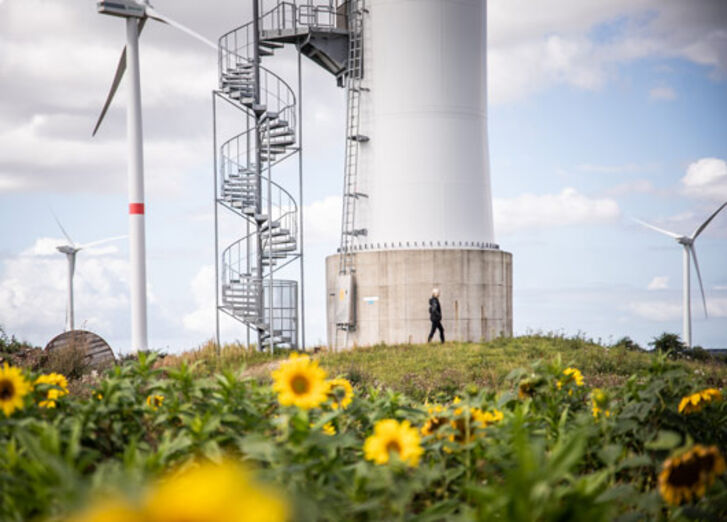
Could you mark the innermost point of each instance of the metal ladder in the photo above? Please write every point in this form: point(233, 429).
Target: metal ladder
point(354, 87)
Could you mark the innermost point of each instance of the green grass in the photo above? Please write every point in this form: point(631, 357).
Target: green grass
point(421, 371)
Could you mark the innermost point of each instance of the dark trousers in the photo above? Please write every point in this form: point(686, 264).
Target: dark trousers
point(436, 325)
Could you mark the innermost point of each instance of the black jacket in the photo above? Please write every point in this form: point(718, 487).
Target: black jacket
point(435, 310)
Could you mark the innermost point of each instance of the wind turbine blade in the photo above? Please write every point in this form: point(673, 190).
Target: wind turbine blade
point(120, 69)
point(699, 276)
point(704, 225)
point(102, 241)
point(156, 15)
point(58, 221)
point(647, 225)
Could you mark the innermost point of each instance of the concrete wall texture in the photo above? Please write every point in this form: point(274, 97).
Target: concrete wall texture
point(393, 289)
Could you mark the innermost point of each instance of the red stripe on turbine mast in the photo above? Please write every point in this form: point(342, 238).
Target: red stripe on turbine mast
point(136, 208)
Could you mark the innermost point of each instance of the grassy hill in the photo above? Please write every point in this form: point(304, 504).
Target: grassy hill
point(421, 371)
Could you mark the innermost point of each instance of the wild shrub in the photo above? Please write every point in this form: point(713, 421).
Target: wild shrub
point(70, 361)
point(9, 344)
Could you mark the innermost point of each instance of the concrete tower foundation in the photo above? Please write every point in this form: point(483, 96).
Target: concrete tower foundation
point(392, 289)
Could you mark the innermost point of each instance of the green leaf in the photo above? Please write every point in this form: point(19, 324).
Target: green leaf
point(665, 440)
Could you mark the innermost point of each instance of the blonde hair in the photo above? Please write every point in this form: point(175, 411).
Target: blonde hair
point(435, 292)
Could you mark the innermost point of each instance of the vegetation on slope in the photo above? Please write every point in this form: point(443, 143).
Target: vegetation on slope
point(532, 428)
point(422, 371)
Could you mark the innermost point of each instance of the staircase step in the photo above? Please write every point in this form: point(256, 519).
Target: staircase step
point(264, 227)
point(282, 249)
point(271, 45)
point(278, 124)
point(275, 233)
point(280, 131)
point(239, 95)
point(279, 142)
point(277, 240)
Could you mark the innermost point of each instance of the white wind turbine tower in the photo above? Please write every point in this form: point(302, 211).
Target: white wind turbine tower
point(70, 250)
point(136, 15)
point(687, 243)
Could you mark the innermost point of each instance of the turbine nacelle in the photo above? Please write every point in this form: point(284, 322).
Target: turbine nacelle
point(122, 8)
point(68, 250)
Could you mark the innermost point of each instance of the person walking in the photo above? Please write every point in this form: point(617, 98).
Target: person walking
point(435, 316)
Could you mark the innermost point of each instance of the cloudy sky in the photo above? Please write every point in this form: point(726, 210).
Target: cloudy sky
point(599, 110)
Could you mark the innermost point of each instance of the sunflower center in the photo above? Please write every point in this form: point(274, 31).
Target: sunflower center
point(393, 445)
point(689, 473)
point(7, 390)
point(300, 384)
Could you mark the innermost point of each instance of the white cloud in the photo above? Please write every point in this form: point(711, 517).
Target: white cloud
point(323, 220)
point(663, 311)
point(528, 66)
point(569, 207)
point(659, 283)
point(202, 319)
point(33, 291)
point(659, 311)
point(638, 186)
point(559, 43)
point(707, 179)
point(662, 94)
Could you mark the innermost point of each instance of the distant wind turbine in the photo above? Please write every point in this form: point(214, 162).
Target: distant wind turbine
point(136, 14)
point(70, 250)
point(688, 243)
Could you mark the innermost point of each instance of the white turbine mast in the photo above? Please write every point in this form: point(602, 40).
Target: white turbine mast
point(70, 250)
point(687, 243)
point(136, 15)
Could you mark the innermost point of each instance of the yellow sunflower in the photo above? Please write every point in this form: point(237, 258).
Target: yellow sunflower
point(687, 477)
point(328, 428)
point(341, 393)
point(13, 387)
point(485, 418)
point(220, 492)
point(60, 388)
point(696, 401)
point(437, 418)
point(300, 382)
point(155, 401)
point(526, 389)
point(599, 403)
point(464, 429)
point(391, 436)
point(572, 375)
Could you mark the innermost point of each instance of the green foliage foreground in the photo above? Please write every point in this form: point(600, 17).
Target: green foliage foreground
point(562, 451)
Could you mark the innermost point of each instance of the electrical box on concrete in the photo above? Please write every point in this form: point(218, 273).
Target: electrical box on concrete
point(345, 301)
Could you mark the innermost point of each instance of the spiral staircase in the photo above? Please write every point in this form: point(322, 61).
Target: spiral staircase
point(248, 287)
